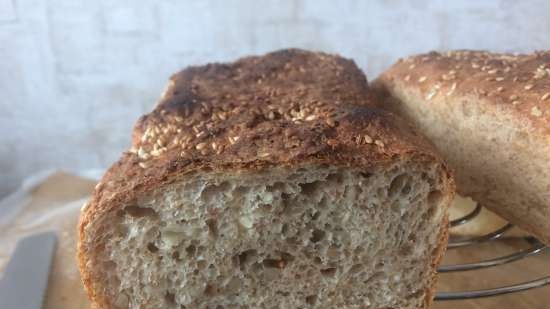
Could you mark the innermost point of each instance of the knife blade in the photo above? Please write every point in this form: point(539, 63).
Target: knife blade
point(25, 279)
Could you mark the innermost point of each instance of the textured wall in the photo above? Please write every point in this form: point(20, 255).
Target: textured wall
point(75, 74)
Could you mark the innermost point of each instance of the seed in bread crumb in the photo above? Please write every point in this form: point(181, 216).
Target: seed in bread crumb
point(535, 111)
point(200, 146)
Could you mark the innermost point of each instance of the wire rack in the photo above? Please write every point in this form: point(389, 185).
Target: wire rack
point(536, 247)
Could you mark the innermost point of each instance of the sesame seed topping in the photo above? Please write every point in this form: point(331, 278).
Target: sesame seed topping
point(493, 71)
point(500, 89)
point(513, 97)
point(535, 111)
point(422, 79)
point(200, 146)
point(368, 139)
point(516, 102)
point(143, 165)
point(407, 78)
point(528, 86)
point(311, 117)
point(379, 143)
point(499, 79)
point(412, 66)
point(330, 122)
point(545, 96)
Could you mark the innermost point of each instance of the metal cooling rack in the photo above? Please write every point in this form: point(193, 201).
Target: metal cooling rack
point(536, 248)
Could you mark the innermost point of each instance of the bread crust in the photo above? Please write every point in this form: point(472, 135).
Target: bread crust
point(287, 108)
point(510, 90)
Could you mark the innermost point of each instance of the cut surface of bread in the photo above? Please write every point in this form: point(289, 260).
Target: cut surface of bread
point(268, 183)
point(489, 116)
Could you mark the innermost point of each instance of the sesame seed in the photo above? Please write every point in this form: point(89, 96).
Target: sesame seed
point(499, 79)
point(422, 79)
point(263, 154)
point(475, 65)
point(513, 97)
point(516, 102)
point(214, 145)
point(453, 87)
point(412, 66)
point(311, 117)
point(431, 94)
point(379, 143)
point(535, 111)
point(143, 165)
point(271, 115)
point(407, 78)
point(368, 139)
point(331, 122)
point(528, 86)
point(500, 89)
point(200, 146)
point(493, 71)
point(545, 96)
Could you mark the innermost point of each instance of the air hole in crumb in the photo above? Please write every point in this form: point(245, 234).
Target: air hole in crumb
point(310, 300)
point(272, 263)
point(191, 249)
point(176, 255)
point(315, 216)
point(246, 257)
point(211, 191)
point(220, 307)
point(397, 184)
point(152, 248)
point(284, 229)
point(139, 212)
point(212, 227)
point(170, 297)
point(356, 268)
point(337, 178)
point(201, 264)
point(365, 174)
point(210, 290)
point(328, 272)
point(317, 235)
point(309, 188)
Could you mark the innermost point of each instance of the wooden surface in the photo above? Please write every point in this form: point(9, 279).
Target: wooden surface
point(55, 205)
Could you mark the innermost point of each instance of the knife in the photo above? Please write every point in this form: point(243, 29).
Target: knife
point(25, 279)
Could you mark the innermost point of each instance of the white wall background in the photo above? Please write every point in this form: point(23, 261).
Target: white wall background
point(76, 74)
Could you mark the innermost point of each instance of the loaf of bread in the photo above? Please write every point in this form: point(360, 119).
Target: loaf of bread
point(268, 183)
point(489, 116)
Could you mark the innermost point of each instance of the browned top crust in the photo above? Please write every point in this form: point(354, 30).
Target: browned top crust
point(286, 108)
point(515, 84)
